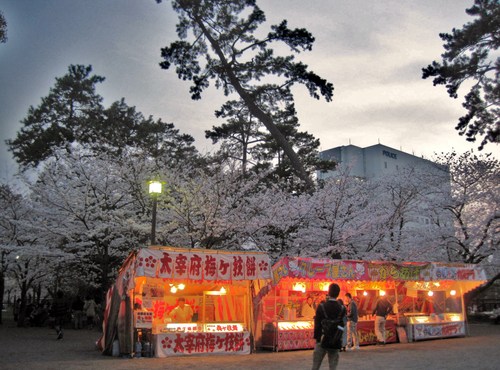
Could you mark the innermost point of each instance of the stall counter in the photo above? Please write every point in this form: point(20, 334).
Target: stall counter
point(192, 338)
point(288, 335)
point(366, 332)
point(187, 342)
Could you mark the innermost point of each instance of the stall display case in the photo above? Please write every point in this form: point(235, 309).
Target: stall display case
point(285, 323)
point(422, 326)
point(288, 335)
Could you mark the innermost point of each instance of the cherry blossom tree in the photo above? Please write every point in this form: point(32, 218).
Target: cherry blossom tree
point(24, 254)
point(474, 206)
point(95, 208)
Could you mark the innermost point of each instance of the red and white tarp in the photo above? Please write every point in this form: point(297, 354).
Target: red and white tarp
point(202, 264)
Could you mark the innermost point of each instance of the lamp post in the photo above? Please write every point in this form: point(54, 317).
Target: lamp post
point(154, 190)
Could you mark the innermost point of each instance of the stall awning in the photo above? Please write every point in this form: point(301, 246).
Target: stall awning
point(201, 264)
point(329, 269)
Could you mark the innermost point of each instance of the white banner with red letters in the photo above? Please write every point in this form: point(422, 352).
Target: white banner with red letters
point(201, 264)
point(177, 344)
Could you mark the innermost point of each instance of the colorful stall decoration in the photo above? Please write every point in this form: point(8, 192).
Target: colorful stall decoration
point(427, 298)
point(173, 301)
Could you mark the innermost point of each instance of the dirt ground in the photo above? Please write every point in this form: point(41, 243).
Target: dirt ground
point(37, 348)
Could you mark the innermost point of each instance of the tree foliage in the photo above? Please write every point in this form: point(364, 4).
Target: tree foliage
point(470, 55)
point(72, 116)
point(245, 139)
point(3, 29)
point(239, 62)
point(473, 204)
point(64, 116)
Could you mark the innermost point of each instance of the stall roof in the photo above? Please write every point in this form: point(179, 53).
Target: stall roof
point(343, 270)
point(201, 264)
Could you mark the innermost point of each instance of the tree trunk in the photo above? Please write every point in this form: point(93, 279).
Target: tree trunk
point(22, 310)
point(2, 291)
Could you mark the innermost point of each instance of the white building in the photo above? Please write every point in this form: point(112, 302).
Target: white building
point(373, 161)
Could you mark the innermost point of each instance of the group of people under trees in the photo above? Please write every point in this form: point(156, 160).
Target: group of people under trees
point(81, 313)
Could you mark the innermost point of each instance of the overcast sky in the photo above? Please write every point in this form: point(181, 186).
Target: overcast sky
point(372, 51)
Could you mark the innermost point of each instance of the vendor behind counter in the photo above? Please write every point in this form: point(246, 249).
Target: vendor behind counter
point(182, 312)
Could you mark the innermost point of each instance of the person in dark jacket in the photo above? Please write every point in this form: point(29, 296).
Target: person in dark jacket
point(352, 323)
point(344, 336)
point(59, 311)
point(381, 310)
point(78, 314)
point(333, 310)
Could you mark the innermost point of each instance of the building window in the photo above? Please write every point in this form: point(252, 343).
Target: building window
point(385, 164)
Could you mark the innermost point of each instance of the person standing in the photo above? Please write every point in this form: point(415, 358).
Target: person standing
point(17, 309)
point(59, 311)
point(352, 323)
point(77, 310)
point(344, 335)
point(89, 308)
point(183, 312)
point(307, 310)
point(333, 310)
point(381, 310)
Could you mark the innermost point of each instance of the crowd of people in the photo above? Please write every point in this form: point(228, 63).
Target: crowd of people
point(59, 312)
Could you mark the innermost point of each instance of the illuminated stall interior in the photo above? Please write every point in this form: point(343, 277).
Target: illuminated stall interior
point(217, 307)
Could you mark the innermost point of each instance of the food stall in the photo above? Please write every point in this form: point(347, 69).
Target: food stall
point(427, 298)
point(218, 287)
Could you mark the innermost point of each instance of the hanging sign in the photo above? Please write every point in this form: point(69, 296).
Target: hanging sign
point(202, 265)
point(329, 269)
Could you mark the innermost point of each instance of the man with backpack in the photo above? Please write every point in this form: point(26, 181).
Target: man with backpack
point(328, 329)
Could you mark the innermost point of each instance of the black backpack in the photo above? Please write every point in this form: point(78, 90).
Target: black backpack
point(332, 330)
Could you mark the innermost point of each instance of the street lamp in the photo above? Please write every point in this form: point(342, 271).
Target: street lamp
point(154, 190)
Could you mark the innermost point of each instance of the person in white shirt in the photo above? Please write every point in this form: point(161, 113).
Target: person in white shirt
point(308, 310)
point(183, 312)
